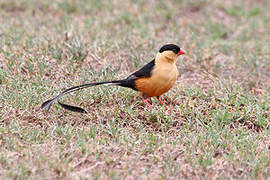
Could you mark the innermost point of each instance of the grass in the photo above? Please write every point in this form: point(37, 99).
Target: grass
point(217, 125)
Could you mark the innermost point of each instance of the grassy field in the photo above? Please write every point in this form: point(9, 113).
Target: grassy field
point(218, 122)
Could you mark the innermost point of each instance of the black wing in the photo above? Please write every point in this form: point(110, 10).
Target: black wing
point(145, 71)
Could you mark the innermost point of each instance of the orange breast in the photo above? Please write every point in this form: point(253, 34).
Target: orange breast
point(149, 88)
point(159, 83)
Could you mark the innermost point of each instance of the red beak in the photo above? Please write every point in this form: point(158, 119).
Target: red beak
point(181, 52)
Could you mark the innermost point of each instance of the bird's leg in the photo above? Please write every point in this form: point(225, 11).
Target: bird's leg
point(146, 101)
point(162, 103)
point(148, 104)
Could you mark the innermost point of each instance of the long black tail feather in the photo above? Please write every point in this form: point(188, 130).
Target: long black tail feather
point(47, 104)
point(72, 108)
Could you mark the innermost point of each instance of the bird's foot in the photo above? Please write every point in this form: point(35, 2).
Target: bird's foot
point(147, 102)
point(166, 108)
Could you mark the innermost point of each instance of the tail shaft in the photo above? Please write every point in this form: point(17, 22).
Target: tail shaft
point(47, 104)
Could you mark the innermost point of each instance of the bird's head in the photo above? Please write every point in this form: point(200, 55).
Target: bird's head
point(171, 52)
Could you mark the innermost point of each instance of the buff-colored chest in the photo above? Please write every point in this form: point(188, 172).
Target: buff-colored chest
point(162, 80)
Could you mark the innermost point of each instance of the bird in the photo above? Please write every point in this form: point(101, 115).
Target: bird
point(152, 80)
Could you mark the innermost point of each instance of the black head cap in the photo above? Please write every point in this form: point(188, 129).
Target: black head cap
point(170, 47)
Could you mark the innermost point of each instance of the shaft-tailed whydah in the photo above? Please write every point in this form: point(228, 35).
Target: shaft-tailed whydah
point(152, 80)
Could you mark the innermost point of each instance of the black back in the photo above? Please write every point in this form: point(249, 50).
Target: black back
point(145, 71)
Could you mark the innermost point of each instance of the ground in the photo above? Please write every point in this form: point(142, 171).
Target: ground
point(218, 122)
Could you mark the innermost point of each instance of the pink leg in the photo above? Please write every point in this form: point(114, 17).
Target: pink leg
point(148, 104)
point(162, 103)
